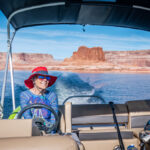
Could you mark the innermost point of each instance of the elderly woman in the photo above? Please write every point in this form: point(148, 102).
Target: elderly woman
point(37, 83)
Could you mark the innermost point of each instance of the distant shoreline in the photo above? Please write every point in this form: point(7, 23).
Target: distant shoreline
point(85, 60)
point(91, 71)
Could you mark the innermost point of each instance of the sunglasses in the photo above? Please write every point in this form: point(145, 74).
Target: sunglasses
point(43, 77)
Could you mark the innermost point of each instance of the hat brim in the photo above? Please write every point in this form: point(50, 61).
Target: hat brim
point(29, 83)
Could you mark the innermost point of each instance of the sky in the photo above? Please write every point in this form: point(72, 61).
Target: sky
point(62, 40)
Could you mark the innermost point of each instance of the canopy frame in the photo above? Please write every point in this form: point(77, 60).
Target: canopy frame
point(9, 53)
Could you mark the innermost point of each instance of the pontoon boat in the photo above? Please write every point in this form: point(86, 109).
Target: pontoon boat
point(80, 127)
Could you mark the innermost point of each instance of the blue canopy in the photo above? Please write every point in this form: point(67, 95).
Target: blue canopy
point(122, 13)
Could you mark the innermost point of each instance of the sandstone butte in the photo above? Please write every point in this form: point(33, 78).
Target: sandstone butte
point(85, 60)
point(94, 54)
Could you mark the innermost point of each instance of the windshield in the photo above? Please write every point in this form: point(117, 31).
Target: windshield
point(110, 63)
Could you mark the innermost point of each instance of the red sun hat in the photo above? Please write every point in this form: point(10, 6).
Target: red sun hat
point(39, 71)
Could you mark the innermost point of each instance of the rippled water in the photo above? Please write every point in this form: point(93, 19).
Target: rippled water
point(118, 88)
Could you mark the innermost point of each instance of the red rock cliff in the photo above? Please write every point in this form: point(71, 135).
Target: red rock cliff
point(28, 60)
point(91, 59)
point(94, 54)
point(136, 58)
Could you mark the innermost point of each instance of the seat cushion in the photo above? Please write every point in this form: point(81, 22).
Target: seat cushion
point(52, 142)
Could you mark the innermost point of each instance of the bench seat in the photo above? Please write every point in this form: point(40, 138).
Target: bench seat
point(139, 113)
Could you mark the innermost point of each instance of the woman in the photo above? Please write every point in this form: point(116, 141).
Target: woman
point(37, 83)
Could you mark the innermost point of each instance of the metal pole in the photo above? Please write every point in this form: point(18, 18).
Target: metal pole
point(34, 7)
point(8, 58)
point(4, 80)
point(141, 7)
point(6, 68)
point(11, 73)
point(117, 126)
point(70, 97)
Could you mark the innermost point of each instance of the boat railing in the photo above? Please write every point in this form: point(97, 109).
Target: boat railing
point(80, 96)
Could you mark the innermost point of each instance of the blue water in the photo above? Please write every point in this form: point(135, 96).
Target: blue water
point(118, 88)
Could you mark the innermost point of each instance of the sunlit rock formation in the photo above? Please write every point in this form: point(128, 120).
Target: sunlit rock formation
point(135, 58)
point(28, 61)
point(94, 54)
point(84, 60)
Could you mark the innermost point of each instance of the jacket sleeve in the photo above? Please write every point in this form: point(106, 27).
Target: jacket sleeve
point(54, 104)
point(24, 102)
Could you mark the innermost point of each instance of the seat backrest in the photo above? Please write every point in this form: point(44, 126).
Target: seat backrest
point(139, 113)
point(98, 114)
point(77, 116)
point(17, 128)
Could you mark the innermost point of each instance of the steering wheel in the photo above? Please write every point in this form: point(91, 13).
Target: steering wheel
point(40, 121)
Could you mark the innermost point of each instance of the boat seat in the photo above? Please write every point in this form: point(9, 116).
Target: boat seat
point(139, 113)
point(95, 138)
point(51, 142)
point(108, 144)
point(106, 139)
point(100, 114)
point(18, 128)
point(91, 116)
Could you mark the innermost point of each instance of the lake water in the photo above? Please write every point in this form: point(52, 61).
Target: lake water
point(118, 88)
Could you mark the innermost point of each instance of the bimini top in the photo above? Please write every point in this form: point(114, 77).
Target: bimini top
point(122, 13)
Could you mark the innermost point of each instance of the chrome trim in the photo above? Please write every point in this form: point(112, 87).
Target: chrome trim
point(9, 55)
point(141, 7)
